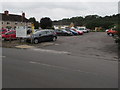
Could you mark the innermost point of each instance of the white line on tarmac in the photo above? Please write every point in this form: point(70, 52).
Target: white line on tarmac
point(52, 51)
point(2, 56)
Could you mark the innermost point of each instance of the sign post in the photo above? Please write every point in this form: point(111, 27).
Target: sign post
point(33, 28)
point(21, 31)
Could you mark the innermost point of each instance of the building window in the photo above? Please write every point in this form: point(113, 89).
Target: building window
point(16, 23)
point(8, 27)
point(8, 23)
point(14, 27)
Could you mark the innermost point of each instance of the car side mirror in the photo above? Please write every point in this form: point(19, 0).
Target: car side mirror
point(40, 34)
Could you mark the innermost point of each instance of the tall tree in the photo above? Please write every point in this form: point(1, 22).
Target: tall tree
point(46, 23)
point(91, 21)
point(36, 23)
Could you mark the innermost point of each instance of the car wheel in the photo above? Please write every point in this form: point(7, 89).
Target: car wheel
point(36, 41)
point(54, 39)
point(107, 33)
point(116, 41)
point(3, 39)
point(111, 34)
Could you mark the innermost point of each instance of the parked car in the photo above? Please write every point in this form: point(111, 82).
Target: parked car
point(78, 31)
point(63, 32)
point(35, 30)
point(112, 32)
point(116, 39)
point(106, 30)
point(83, 29)
point(2, 31)
point(74, 32)
point(9, 35)
point(41, 36)
point(29, 31)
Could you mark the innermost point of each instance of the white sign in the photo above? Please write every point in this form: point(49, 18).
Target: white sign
point(21, 31)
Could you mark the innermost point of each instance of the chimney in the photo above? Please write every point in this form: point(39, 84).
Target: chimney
point(23, 14)
point(6, 12)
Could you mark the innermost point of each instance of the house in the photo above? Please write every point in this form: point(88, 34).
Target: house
point(10, 21)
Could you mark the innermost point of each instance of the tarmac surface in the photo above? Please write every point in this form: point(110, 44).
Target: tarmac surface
point(86, 61)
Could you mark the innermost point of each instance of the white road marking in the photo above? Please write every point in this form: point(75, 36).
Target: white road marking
point(2, 56)
point(59, 67)
point(52, 51)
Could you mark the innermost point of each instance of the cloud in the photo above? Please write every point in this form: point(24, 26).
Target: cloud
point(60, 0)
point(59, 10)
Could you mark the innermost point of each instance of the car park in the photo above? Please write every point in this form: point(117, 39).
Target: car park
point(10, 35)
point(41, 36)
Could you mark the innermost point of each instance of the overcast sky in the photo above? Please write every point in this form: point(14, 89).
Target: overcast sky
point(57, 10)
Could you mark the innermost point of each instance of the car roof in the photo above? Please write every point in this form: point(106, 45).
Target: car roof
point(44, 30)
point(47, 30)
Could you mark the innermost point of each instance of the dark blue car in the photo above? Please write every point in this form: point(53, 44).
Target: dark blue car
point(74, 32)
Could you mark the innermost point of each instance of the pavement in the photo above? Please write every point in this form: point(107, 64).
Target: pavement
point(24, 46)
point(88, 61)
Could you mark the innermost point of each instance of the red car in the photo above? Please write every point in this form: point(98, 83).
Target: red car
point(112, 32)
point(2, 31)
point(9, 35)
point(78, 31)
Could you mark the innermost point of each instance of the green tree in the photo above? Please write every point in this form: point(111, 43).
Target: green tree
point(46, 23)
point(36, 23)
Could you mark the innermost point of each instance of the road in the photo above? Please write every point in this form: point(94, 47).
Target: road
point(88, 61)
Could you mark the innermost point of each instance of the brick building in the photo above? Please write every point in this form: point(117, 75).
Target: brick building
point(10, 21)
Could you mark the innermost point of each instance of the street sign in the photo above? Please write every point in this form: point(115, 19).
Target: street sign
point(33, 28)
point(21, 31)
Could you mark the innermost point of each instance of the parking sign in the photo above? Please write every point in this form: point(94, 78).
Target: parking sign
point(21, 31)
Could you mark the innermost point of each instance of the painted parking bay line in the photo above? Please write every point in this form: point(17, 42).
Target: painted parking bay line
point(51, 51)
point(2, 56)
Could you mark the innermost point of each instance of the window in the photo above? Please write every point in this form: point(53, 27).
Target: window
point(16, 23)
point(43, 32)
point(14, 27)
point(8, 23)
point(10, 33)
point(8, 27)
point(2, 22)
point(48, 32)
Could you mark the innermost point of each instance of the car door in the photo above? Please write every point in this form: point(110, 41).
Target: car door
point(13, 35)
point(49, 35)
point(42, 36)
point(8, 35)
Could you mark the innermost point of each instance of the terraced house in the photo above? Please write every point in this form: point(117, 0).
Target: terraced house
point(10, 21)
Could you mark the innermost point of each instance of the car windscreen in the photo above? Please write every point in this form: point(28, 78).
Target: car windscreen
point(8, 33)
point(81, 29)
point(64, 30)
point(2, 30)
point(37, 32)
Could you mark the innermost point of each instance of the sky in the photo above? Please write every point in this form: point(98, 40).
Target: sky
point(58, 10)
